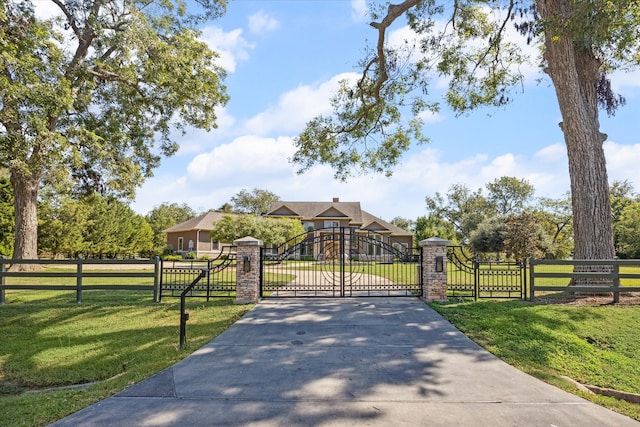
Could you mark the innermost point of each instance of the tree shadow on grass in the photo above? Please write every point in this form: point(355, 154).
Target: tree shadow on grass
point(301, 363)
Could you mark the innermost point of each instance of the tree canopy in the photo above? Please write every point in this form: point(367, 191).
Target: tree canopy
point(6, 217)
point(255, 202)
point(89, 99)
point(582, 43)
point(272, 231)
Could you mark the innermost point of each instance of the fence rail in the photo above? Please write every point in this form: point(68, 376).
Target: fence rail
point(79, 274)
point(604, 275)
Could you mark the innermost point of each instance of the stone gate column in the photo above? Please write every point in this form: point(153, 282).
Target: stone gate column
point(247, 270)
point(434, 269)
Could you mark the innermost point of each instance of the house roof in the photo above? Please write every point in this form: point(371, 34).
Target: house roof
point(204, 222)
point(307, 211)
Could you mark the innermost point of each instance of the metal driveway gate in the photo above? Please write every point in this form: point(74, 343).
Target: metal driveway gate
point(340, 262)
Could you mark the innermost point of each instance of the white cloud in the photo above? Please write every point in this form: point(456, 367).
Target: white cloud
point(622, 162)
point(231, 46)
point(359, 11)
point(260, 23)
point(623, 81)
point(296, 107)
point(254, 162)
point(248, 156)
point(46, 9)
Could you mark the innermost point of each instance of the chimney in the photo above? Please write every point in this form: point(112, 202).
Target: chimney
point(336, 200)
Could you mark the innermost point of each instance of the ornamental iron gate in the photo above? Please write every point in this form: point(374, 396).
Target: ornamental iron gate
point(469, 277)
point(340, 262)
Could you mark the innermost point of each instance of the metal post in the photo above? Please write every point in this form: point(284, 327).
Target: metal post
point(476, 279)
point(342, 262)
point(183, 322)
point(209, 263)
point(523, 290)
point(160, 280)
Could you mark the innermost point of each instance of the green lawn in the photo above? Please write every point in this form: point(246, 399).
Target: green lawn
point(397, 272)
point(114, 338)
point(592, 345)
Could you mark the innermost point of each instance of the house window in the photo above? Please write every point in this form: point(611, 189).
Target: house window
point(308, 225)
point(180, 244)
point(331, 224)
point(375, 248)
point(306, 249)
point(215, 245)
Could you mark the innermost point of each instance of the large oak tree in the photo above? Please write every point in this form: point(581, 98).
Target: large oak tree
point(467, 41)
point(90, 98)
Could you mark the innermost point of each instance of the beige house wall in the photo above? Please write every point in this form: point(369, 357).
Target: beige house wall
point(202, 244)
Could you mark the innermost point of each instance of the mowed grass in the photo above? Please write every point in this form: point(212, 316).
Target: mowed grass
point(112, 340)
point(595, 345)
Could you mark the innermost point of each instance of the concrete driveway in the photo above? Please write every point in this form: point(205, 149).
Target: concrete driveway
point(343, 362)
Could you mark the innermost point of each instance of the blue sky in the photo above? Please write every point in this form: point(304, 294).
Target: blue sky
point(284, 59)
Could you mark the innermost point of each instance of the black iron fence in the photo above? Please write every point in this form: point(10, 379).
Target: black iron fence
point(219, 277)
point(469, 277)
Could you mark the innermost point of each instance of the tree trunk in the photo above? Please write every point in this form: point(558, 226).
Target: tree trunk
point(25, 190)
point(574, 71)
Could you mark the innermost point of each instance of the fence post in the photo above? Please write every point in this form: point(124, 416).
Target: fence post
point(434, 269)
point(156, 279)
point(3, 268)
point(616, 281)
point(79, 280)
point(248, 265)
point(532, 276)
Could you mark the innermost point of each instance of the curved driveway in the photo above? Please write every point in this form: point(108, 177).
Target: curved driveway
point(338, 362)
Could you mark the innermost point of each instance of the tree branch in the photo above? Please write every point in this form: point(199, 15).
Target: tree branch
point(393, 12)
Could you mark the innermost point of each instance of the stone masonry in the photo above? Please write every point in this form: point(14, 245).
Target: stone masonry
point(247, 270)
point(434, 283)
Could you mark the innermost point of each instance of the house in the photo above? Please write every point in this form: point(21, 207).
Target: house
point(194, 235)
point(325, 217)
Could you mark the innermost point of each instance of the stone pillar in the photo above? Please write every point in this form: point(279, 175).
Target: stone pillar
point(247, 270)
point(434, 283)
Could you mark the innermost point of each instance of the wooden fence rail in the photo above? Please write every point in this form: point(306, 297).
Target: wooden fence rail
point(606, 272)
point(79, 274)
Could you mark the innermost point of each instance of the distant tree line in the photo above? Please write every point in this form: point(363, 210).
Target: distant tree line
point(503, 219)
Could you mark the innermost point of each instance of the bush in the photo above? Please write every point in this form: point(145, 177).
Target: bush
point(172, 257)
point(190, 255)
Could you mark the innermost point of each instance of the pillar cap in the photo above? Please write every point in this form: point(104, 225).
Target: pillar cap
point(248, 241)
point(434, 241)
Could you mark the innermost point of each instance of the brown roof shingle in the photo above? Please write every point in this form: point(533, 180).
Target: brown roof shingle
point(205, 221)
